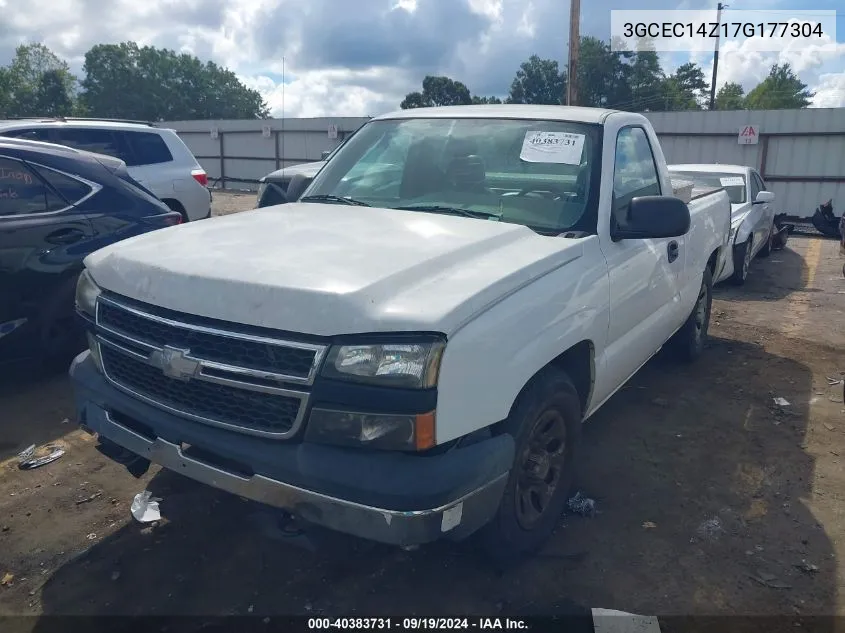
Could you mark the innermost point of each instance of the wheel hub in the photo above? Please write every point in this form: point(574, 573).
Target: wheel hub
point(538, 465)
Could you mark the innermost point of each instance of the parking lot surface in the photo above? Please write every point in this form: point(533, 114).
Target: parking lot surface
point(711, 498)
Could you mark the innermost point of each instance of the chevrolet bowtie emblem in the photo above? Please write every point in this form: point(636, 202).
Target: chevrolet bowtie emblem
point(175, 363)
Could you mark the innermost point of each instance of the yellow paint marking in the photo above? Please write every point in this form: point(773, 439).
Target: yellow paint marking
point(798, 303)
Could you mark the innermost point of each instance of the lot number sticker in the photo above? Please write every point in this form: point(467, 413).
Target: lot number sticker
point(552, 147)
point(732, 181)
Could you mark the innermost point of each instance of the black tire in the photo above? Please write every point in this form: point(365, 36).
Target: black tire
point(61, 336)
point(688, 342)
point(768, 247)
point(522, 524)
point(742, 254)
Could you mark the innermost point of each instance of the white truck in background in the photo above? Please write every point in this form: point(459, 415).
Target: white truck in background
point(409, 351)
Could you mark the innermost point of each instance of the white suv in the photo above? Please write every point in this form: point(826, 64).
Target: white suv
point(155, 157)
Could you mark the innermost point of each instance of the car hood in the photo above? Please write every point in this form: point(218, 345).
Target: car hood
point(306, 169)
point(327, 269)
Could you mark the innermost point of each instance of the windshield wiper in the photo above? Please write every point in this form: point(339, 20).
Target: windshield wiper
point(434, 208)
point(324, 197)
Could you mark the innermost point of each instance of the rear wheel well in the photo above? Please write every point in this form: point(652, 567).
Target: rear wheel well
point(176, 206)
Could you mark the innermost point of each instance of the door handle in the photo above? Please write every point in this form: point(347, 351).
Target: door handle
point(673, 250)
point(64, 236)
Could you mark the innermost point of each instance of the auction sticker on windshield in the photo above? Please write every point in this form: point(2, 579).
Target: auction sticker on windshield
point(732, 181)
point(552, 147)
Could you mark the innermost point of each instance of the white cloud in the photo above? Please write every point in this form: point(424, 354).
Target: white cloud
point(359, 57)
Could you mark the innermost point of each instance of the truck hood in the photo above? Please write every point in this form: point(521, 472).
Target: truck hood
point(327, 269)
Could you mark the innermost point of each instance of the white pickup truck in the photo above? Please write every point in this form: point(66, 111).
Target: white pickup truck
point(408, 352)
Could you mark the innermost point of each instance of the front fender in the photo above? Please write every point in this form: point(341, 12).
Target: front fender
point(491, 358)
point(744, 229)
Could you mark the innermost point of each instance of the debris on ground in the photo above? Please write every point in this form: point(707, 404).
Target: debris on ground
point(92, 536)
point(89, 499)
point(33, 457)
point(115, 575)
point(833, 381)
point(770, 580)
point(781, 402)
point(710, 529)
point(649, 525)
point(581, 505)
point(807, 568)
point(7, 579)
point(829, 427)
point(145, 507)
point(660, 402)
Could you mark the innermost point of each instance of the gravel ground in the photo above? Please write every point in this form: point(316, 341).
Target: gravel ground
point(711, 498)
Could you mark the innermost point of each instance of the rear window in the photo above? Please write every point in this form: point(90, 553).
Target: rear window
point(91, 140)
point(734, 184)
point(146, 148)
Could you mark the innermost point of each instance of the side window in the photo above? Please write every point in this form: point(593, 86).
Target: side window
point(755, 186)
point(22, 192)
point(37, 134)
point(634, 171)
point(145, 148)
point(760, 182)
point(70, 189)
point(91, 140)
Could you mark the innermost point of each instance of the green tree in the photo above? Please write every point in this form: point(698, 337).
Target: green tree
point(781, 90)
point(646, 79)
point(437, 91)
point(538, 81)
point(603, 75)
point(686, 88)
point(36, 83)
point(147, 83)
point(476, 100)
point(731, 96)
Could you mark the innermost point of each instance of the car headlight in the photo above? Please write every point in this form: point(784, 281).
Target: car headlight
point(86, 294)
point(410, 432)
point(409, 365)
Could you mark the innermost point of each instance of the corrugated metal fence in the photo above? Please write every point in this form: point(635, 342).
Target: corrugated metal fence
point(800, 153)
point(236, 153)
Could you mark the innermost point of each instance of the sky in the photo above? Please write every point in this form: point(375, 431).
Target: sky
point(360, 57)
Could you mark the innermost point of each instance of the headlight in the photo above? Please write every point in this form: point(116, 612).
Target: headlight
point(408, 365)
point(86, 294)
point(372, 430)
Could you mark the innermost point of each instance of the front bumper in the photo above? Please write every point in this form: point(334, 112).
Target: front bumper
point(389, 497)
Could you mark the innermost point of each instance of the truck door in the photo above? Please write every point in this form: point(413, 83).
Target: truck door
point(645, 274)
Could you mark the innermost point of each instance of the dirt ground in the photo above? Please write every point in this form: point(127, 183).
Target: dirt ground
point(711, 498)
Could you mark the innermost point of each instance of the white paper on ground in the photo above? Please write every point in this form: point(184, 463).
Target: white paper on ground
point(732, 181)
point(552, 147)
point(145, 508)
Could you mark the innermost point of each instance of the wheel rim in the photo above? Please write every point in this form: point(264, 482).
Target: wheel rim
point(701, 312)
point(746, 260)
point(541, 468)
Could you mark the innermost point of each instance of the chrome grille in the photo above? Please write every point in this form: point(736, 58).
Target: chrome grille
point(225, 378)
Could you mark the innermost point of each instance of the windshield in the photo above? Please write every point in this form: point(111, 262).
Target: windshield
point(734, 184)
point(530, 172)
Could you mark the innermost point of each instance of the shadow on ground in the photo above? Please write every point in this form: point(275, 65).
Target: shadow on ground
point(699, 484)
point(769, 278)
point(35, 403)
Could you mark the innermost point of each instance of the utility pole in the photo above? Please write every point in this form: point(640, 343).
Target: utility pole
point(719, 8)
point(574, 42)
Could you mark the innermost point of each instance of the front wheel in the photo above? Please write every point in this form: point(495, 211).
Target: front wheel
point(742, 262)
point(546, 426)
point(688, 342)
point(768, 247)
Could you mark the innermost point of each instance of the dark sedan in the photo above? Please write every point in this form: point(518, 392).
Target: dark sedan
point(57, 205)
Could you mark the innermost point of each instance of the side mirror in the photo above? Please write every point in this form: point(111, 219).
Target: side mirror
point(297, 186)
point(653, 217)
point(764, 197)
point(325, 155)
point(273, 195)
